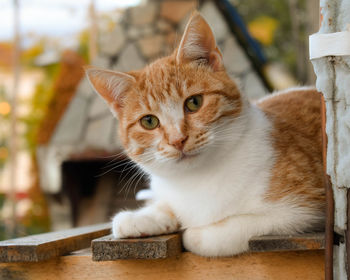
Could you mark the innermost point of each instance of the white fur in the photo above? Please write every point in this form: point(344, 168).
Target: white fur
point(149, 220)
point(217, 197)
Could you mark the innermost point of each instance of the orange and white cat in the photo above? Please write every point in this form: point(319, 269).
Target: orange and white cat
point(222, 169)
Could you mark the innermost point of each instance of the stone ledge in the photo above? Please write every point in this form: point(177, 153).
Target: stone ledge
point(309, 241)
point(158, 247)
point(108, 248)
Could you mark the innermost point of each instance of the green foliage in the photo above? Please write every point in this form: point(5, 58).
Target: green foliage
point(29, 55)
point(83, 48)
point(282, 48)
point(2, 225)
point(38, 104)
point(3, 130)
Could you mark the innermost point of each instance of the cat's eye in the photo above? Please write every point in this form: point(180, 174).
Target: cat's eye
point(193, 103)
point(149, 122)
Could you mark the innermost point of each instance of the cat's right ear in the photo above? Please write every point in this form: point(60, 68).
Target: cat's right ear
point(109, 84)
point(198, 43)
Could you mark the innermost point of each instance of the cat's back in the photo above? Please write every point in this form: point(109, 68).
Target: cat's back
point(296, 137)
point(299, 109)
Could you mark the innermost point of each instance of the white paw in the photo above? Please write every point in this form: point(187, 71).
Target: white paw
point(192, 240)
point(212, 242)
point(134, 224)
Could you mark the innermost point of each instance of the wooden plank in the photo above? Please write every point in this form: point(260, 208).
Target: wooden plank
point(312, 241)
point(40, 247)
point(258, 266)
point(157, 247)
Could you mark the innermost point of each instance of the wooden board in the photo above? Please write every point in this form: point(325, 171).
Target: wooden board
point(157, 247)
point(40, 247)
point(311, 241)
point(303, 265)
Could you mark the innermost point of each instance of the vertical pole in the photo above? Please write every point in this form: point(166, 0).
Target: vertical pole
point(329, 235)
point(329, 227)
point(93, 32)
point(299, 48)
point(13, 121)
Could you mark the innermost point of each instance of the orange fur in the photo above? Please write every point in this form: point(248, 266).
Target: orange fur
point(192, 70)
point(298, 172)
point(221, 169)
point(162, 81)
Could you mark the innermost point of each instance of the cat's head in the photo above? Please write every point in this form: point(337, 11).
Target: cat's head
point(178, 110)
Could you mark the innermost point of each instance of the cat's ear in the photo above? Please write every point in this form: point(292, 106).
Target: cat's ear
point(109, 84)
point(198, 43)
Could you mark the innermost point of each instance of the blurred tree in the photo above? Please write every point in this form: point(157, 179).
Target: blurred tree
point(295, 20)
point(5, 109)
point(263, 29)
point(38, 105)
point(2, 224)
point(6, 54)
point(83, 47)
point(37, 219)
point(29, 55)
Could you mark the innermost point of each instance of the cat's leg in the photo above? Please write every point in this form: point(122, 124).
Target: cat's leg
point(227, 237)
point(154, 219)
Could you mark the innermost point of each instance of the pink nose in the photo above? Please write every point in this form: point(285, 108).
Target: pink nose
point(179, 143)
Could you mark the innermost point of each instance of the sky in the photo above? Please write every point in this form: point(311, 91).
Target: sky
point(52, 17)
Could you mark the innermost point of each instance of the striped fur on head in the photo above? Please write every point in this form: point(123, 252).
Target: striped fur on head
point(161, 88)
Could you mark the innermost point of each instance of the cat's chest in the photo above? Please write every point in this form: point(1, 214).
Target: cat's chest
point(232, 182)
point(212, 196)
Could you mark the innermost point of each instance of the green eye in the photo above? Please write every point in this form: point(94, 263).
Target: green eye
point(149, 122)
point(193, 103)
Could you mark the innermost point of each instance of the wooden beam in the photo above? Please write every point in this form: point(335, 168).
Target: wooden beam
point(158, 247)
point(258, 266)
point(40, 247)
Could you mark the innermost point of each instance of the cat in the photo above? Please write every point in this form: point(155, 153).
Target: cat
point(222, 169)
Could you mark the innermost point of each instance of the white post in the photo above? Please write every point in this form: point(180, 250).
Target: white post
point(332, 69)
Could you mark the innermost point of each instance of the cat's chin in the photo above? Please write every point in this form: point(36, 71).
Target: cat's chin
point(186, 157)
point(179, 166)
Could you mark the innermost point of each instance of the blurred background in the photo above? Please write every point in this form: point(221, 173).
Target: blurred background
point(60, 157)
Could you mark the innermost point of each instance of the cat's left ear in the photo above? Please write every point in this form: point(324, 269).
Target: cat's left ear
point(110, 85)
point(198, 43)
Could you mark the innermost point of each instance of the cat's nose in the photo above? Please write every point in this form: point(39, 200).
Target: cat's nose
point(179, 142)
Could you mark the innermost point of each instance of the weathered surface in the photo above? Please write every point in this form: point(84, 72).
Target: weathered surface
point(312, 241)
point(111, 43)
point(158, 247)
point(108, 248)
point(306, 265)
point(333, 80)
point(145, 13)
point(129, 59)
point(176, 10)
point(151, 46)
point(41, 247)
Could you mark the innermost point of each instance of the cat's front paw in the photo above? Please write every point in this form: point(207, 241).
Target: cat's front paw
point(129, 224)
